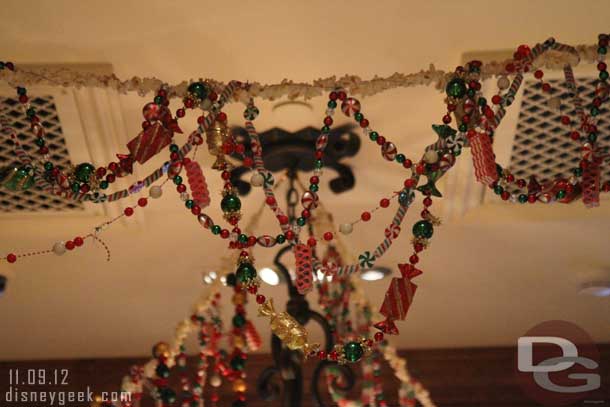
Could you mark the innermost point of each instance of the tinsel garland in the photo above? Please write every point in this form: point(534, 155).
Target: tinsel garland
point(286, 88)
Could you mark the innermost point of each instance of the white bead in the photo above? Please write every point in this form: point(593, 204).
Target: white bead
point(155, 191)
point(431, 156)
point(503, 82)
point(59, 248)
point(554, 103)
point(257, 179)
point(346, 228)
point(215, 381)
point(184, 196)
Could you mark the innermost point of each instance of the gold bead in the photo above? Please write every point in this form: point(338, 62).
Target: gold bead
point(239, 386)
point(160, 349)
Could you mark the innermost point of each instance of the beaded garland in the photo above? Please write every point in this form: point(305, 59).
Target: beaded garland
point(476, 122)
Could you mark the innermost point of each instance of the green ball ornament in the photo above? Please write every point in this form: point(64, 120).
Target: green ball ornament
point(456, 88)
point(423, 228)
point(83, 172)
point(245, 272)
point(230, 203)
point(199, 90)
point(353, 351)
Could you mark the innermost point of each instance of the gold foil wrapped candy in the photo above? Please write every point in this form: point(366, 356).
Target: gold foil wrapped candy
point(285, 327)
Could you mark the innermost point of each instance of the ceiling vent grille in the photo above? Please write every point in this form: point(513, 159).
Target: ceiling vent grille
point(542, 145)
point(34, 199)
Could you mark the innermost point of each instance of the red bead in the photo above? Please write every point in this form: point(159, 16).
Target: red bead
point(9, 66)
point(196, 210)
point(418, 247)
point(565, 120)
point(212, 96)
point(311, 242)
point(538, 74)
point(328, 236)
point(224, 233)
point(189, 103)
point(321, 355)
point(222, 116)
point(174, 156)
point(314, 180)
point(23, 98)
point(225, 175)
point(365, 216)
point(378, 336)
point(510, 67)
point(510, 178)
point(333, 355)
point(407, 164)
point(420, 168)
point(380, 140)
point(505, 195)
point(110, 178)
point(283, 219)
point(78, 241)
point(333, 95)
point(11, 258)
point(305, 213)
point(142, 202)
point(113, 166)
point(252, 289)
point(214, 397)
point(410, 182)
point(69, 245)
point(240, 148)
point(496, 99)
point(84, 188)
point(601, 66)
point(446, 119)
point(364, 123)
point(100, 172)
point(427, 201)
point(260, 299)
point(248, 162)
point(228, 147)
point(180, 112)
point(546, 87)
point(414, 259)
point(251, 240)
point(574, 135)
point(328, 120)
point(270, 200)
point(289, 235)
point(521, 183)
point(384, 203)
point(181, 188)
point(342, 95)
point(319, 154)
point(531, 198)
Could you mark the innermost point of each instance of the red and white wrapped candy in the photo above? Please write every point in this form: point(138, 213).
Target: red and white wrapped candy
point(253, 338)
point(389, 151)
point(266, 241)
point(483, 157)
point(590, 182)
point(149, 142)
point(303, 258)
point(196, 180)
point(309, 200)
point(399, 297)
point(350, 107)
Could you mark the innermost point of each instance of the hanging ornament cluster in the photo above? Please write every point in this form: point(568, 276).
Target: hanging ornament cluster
point(469, 121)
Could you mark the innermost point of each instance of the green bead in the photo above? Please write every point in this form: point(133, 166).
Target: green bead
point(1, 65)
point(313, 187)
point(423, 228)
point(280, 239)
point(373, 135)
point(238, 363)
point(231, 279)
point(245, 271)
point(162, 370)
point(301, 221)
point(602, 50)
point(325, 129)
point(159, 100)
point(358, 116)
point(198, 89)
point(471, 93)
point(75, 187)
point(83, 172)
point(594, 111)
point(21, 91)
point(463, 127)
point(177, 180)
point(230, 203)
point(353, 351)
point(456, 88)
point(189, 203)
point(239, 321)
point(319, 164)
point(48, 166)
point(216, 229)
point(243, 238)
point(498, 190)
point(167, 395)
point(400, 158)
point(482, 102)
point(456, 152)
point(103, 184)
point(30, 112)
point(603, 75)
point(592, 137)
point(561, 194)
point(332, 104)
point(577, 172)
point(522, 198)
point(174, 148)
point(499, 170)
point(39, 142)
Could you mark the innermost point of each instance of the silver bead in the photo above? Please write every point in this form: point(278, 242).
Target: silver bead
point(346, 228)
point(155, 192)
point(503, 82)
point(59, 248)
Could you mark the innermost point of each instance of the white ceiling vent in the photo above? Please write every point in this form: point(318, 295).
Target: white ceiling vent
point(82, 125)
point(542, 145)
point(33, 199)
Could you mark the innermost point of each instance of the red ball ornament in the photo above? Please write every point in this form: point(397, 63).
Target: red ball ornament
point(11, 258)
point(311, 242)
point(366, 216)
point(328, 236)
point(78, 241)
point(128, 211)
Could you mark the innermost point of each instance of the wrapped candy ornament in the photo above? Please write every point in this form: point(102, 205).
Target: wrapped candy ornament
point(483, 157)
point(17, 178)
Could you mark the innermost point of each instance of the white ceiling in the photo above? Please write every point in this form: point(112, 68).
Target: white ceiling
point(488, 277)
